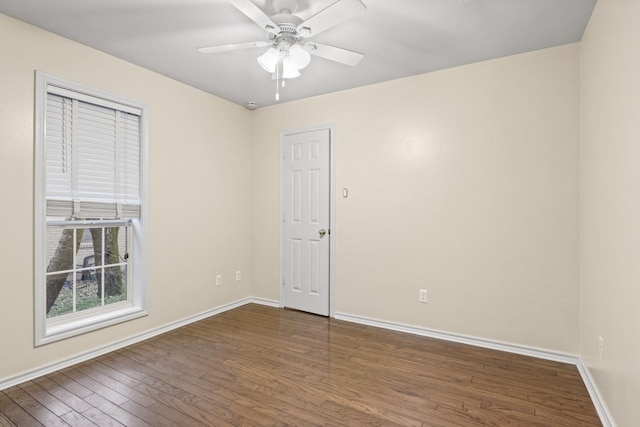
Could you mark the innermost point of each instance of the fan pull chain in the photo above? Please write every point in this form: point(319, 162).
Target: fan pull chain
point(277, 81)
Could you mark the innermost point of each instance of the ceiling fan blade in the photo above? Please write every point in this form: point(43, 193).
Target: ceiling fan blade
point(255, 14)
point(337, 54)
point(235, 46)
point(337, 13)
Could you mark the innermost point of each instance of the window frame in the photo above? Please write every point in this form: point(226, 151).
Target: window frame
point(55, 329)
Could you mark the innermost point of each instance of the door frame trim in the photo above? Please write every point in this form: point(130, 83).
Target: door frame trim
point(332, 208)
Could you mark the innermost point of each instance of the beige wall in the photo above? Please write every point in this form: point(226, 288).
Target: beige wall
point(610, 205)
point(463, 182)
point(200, 192)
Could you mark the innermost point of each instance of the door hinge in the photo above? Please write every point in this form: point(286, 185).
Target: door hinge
point(283, 218)
point(284, 155)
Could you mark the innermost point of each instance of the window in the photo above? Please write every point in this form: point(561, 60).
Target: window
point(90, 209)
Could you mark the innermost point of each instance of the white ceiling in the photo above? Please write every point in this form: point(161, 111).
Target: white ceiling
point(398, 38)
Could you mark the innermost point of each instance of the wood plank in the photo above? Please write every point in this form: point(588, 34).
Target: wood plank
point(16, 414)
point(144, 413)
point(64, 395)
point(113, 384)
point(115, 411)
point(70, 385)
point(119, 376)
point(101, 419)
point(96, 387)
point(5, 422)
point(33, 407)
point(174, 415)
point(75, 419)
point(47, 400)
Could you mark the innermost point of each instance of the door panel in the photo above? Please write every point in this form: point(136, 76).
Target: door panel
point(306, 211)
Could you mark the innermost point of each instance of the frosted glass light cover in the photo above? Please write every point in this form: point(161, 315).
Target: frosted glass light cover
point(289, 69)
point(300, 57)
point(269, 59)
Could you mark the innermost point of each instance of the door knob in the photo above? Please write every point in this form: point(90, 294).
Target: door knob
point(322, 232)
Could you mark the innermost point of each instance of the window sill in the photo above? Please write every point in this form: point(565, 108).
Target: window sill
point(56, 330)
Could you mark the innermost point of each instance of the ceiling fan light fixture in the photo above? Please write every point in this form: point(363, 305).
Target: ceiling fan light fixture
point(289, 51)
point(289, 69)
point(269, 59)
point(299, 56)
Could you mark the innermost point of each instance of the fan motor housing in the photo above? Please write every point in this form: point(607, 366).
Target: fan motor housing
point(287, 22)
point(287, 33)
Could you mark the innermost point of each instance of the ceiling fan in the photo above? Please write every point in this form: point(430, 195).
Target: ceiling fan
point(288, 36)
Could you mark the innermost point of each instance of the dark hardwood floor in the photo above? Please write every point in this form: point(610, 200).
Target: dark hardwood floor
point(262, 366)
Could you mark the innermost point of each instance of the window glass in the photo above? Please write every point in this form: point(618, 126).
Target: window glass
point(86, 268)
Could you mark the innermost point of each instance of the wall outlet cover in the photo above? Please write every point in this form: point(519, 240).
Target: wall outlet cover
point(422, 295)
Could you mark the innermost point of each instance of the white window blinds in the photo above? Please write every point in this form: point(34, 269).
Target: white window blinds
point(92, 157)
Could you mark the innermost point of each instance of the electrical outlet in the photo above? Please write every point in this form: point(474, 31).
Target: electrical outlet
point(219, 280)
point(238, 276)
point(422, 296)
point(600, 347)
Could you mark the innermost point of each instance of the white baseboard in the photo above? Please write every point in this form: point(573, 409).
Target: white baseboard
point(594, 394)
point(463, 339)
point(264, 301)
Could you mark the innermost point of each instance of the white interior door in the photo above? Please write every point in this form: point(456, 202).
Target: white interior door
point(306, 220)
